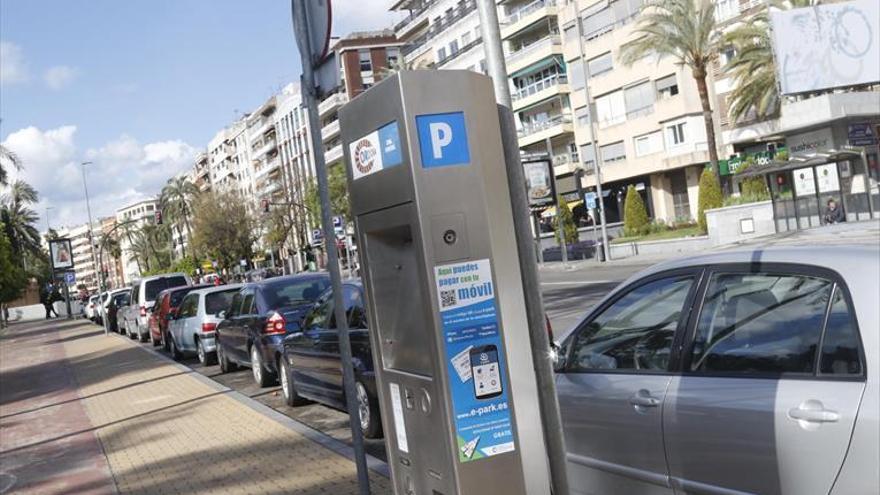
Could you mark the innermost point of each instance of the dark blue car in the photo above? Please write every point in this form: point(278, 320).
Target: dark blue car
point(312, 366)
point(260, 315)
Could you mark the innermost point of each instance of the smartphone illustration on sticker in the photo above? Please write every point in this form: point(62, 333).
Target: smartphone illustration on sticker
point(486, 371)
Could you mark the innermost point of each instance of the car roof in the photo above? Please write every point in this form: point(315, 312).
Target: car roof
point(288, 278)
point(217, 288)
point(161, 275)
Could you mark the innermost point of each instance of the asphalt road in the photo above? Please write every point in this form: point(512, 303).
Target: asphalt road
point(568, 295)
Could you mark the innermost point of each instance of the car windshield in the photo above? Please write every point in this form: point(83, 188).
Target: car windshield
point(154, 287)
point(177, 296)
point(292, 292)
point(216, 302)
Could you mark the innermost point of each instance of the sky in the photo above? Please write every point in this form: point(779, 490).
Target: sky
point(138, 87)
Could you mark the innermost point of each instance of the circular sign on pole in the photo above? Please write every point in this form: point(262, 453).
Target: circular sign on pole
point(317, 30)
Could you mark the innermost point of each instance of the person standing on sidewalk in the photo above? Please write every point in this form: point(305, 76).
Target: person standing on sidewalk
point(47, 298)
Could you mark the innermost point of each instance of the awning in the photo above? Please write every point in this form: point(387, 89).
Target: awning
point(551, 211)
point(541, 64)
point(819, 158)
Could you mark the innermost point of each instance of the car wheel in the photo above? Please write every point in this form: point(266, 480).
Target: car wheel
point(205, 357)
point(225, 364)
point(133, 335)
point(143, 337)
point(261, 376)
point(156, 343)
point(175, 351)
point(288, 389)
point(368, 412)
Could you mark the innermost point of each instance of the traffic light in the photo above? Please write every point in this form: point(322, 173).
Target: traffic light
point(264, 205)
point(158, 217)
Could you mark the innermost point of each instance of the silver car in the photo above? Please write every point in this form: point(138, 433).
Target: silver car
point(192, 328)
point(739, 372)
point(134, 317)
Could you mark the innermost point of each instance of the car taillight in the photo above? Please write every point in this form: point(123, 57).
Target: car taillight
point(143, 311)
point(209, 327)
point(275, 324)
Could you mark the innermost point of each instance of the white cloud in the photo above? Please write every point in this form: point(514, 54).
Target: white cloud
point(122, 171)
point(354, 15)
point(13, 68)
point(60, 76)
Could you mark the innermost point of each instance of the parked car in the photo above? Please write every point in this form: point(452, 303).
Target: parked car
point(192, 327)
point(118, 299)
point(311, 367)
point(104, 299)
point(166, 304)
point(741, 372)
point(92, 307)
point(259, 317)
point(143, 297)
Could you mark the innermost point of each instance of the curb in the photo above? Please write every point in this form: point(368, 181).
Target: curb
point(373, 464)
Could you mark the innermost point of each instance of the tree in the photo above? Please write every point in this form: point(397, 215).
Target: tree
point(337, 184)
point(223, 228)
point(128, 230)
point(635, 217)
point(753, 66)
point(8, 156)
point(12, 276)
point(19, 220)
point(686, 31)
point(177, 200)
point(754, 188)
point(709, 197)
point(569, 229)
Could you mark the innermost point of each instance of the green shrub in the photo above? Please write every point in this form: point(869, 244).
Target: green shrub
point(709, 197)
point(635, 217)
point(781, 155)
point(563, 214)
point(753, 188)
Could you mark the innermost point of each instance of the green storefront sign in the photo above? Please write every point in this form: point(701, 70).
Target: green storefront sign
point(731, 165)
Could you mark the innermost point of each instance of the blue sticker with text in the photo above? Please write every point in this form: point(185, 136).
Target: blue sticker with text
point(443, 139)
point(389, 145)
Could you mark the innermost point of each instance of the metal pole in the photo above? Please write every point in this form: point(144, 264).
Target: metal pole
point(593, 141)
point(89, 210)
point(867, 180)
point(540, 341)
point(560, 229)
point(301, 25)
point(537, 223)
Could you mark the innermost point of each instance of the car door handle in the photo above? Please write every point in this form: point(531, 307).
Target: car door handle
point(813, 412)
point(643, 398)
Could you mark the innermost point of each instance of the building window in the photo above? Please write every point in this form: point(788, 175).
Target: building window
point(588, 154)
point(599, 65)
point(465, 38)
point(483, 67)
point(441, 54)
point(453, 47)
point(365, 62)
point(582, 114)
point(675, 134)
point(613, 152)
point(667, 87)
point(610, 109)
point(576, 74)
point(392, 55)
point(648, 143)
point(569, 33)
point(639, 100)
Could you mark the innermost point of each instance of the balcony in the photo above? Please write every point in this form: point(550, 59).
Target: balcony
point(333, 155)
point(331, 103)
point(418, 46)
point(565, 163)
point(462, 51)
point(526, 16)
point(539, 131)
point(535, 52)
point(258, 128)
point(268, 146)
point(267, 167)
point(330, 130)
point(414, 19)
point(539, 91)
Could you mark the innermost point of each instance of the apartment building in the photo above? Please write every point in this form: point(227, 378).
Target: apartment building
point(135, 216)
point(110, 264)
point(83, 262)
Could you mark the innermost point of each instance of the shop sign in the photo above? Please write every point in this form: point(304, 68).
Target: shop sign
point(733, 164)
point(862, 134)
point(809, 142)
point(826, 176)
point(804, 182)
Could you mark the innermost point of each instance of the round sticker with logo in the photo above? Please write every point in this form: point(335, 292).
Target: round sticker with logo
point(364, 156)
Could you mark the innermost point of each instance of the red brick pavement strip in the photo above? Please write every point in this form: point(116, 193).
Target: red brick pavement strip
point(47, 442)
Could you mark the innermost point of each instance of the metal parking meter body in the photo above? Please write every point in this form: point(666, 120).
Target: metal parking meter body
point(449, 332)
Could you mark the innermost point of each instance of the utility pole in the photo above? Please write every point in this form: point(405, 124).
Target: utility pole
point(540, 341)
point(89, 211)
point(560, 229)
point(301, 27)
point(593, 141)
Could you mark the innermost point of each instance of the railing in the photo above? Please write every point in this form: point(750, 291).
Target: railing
point(414, 15)
point(336, 99)
point(268, 146)
point(543, 125)
point(333, 154)
point(639, 112)
point(565, 159)
point(268, 167)
point(460, 51)
point(528, 9)
point(538, 86)
point(542, 43)
point(439, 27)
point(330, 130)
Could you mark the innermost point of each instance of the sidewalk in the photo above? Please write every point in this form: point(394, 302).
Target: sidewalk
point(82, 412)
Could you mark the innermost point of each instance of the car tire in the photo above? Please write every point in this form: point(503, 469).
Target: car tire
point(156, 343)
point(226, 365)
point(368, 412)
point(262, 377)
point(205, 358)
point(133, 335)
point(176, 354)
point(288, 388)
point(143, 337)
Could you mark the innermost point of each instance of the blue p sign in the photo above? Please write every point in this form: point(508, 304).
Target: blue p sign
point(443, 139)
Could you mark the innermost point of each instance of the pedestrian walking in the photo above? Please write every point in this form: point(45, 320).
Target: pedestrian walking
point(47, 298)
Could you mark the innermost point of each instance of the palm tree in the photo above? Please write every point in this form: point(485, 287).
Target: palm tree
point(753, 67)
point(19, 219)
point(686, 31)
point(177, 200)
point(129, 231)
point(7, 155)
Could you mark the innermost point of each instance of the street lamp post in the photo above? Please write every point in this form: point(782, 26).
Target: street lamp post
point(89, 231)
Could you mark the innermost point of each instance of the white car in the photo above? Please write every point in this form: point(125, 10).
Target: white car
point(92, 308)
point(192, 328)
point(143, 297)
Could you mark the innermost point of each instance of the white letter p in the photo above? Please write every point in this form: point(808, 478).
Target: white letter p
point(441, 136)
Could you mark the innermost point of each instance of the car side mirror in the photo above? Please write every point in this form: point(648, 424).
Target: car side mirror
point(557, 357)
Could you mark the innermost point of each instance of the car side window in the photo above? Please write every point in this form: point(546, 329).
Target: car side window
point(636, 332)
point(840, 345)
point(320, 315)
point(760, 323)
point(247, 305)
point(189, 306)
point(235, 306)
point(354, 307)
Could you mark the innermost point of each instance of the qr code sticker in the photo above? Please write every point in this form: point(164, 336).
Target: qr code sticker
point(447, 298)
